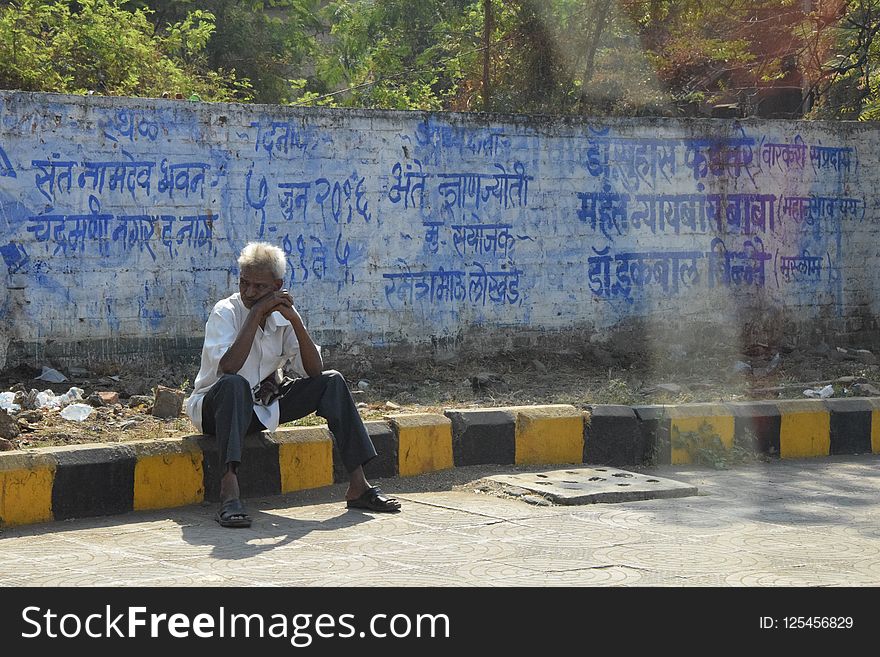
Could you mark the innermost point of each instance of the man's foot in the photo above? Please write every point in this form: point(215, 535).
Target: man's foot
point(232, 514)
point(373, 499)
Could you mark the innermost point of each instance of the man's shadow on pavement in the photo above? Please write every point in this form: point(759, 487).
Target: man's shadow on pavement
point(268, 531)
point(259, 477)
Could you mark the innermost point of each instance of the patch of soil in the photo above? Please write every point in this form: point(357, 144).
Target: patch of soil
point(383, 387)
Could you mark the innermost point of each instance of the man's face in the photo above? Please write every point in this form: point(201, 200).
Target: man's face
point(254, 284)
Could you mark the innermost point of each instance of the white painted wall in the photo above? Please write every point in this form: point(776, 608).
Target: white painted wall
point(121, 219)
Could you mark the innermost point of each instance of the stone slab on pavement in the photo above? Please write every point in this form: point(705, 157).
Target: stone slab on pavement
point(575, 485)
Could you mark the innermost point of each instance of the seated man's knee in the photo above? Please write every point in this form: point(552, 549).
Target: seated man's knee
point(334, 377)
point(233, 382)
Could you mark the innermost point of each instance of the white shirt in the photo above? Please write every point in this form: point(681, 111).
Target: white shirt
point(272, 347)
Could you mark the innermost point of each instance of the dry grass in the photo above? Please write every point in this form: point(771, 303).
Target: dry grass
point(510, 380)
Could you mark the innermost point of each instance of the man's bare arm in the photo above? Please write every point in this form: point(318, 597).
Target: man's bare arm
point(312, 362)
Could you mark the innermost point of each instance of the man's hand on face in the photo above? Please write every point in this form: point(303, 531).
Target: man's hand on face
point(279, 300)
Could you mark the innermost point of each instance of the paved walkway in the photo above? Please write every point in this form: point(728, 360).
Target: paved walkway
point(812, 522)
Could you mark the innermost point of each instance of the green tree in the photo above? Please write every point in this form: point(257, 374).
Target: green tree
point(270, 43)
point(397, 54)
point(570, 57)
point(603, 57)
point(99, 46)
point(842, 59)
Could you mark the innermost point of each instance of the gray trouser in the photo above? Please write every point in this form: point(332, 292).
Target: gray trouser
point(228, 413)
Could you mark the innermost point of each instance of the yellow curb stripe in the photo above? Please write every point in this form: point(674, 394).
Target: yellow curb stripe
point(548, 434)
point(875, 431)
point(692, 418)
point(168, 478)
point(26, 494)
point(874, 404)
point(424, 443)
point(805, 429)
point(305, 457)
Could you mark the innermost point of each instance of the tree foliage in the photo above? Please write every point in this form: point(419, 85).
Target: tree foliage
point(843, 60)
point(99, 46)
point(396, 53)
point(267, 42)
point(605, 57)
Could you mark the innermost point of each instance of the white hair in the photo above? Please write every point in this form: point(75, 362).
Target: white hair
point(262, 255)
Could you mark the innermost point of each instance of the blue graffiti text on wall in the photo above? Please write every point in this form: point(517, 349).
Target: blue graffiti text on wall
point(57, 176)
point(317, 252)
point(6, 168)
point(476, 142)
point(802, 267)
point(473, 239)
point(460, 190)
point(636, 161)
point(71, 233)
point(613, 275)
point(442, 286)
point(668, 269)
point(128, 125)
point(814, 209)
point(699, 213)
point(337, 200)
point(613, 214)
point(632, 161)
point(281, 137)
point(15, 257)
point(745, 267)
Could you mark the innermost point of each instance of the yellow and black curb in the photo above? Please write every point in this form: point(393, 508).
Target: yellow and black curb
point(46, 484)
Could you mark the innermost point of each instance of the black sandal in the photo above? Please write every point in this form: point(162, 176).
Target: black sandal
point(232, 514)
point(374, 500)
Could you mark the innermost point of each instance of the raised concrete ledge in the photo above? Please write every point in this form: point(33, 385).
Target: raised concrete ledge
point(424, 442)
point(26, 480)
point(612, 436)
point(850, 425)
point(756, 424)
point(687, 420)
point(481, 436)
point(549, 434)
point(93, 480)
point(55, 483)
point(167, 473)
point(305, 457)
point(805, 428)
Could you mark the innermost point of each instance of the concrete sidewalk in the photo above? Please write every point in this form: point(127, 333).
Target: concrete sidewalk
point(786, 522)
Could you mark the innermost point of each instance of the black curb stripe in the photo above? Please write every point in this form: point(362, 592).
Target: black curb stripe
point(654, 425)
point(481, 437)
point(850, 425)
point(612, 436)
point(259, 474)
point(340, 474)
point(759, 422)
point(384, 465)
point(386, 444)
point(96, 481)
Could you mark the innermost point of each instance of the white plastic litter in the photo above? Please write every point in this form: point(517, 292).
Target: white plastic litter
point(48, 399)
point(50, 375)
point(7, 402)
point(821, 393)
point(76, 412)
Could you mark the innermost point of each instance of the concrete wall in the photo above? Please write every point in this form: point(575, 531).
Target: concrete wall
point(120, 221)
